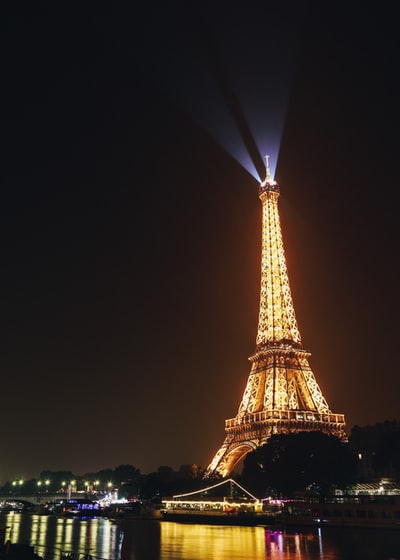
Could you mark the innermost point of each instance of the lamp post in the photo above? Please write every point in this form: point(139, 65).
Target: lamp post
point(17, 485)
point(110, 486)
point(71, 488)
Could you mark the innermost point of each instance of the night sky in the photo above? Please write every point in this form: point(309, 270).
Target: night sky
point(131, 224)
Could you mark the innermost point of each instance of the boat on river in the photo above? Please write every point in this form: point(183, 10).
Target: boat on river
point(225, 503)
point(374, 505)
point(131, 509)
point(246, 519)
point(73, 508)
point(376, 511)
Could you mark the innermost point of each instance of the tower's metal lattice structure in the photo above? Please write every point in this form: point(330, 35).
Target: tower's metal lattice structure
point(282, 395)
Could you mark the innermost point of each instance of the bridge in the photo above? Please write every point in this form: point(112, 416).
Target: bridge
point(38, 499)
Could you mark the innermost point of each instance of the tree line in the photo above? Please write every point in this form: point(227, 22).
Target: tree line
point(306, 462)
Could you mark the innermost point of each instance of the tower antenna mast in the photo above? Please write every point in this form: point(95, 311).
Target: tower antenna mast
point(268, 173)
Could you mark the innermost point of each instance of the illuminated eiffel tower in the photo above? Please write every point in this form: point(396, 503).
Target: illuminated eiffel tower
point(282, 395)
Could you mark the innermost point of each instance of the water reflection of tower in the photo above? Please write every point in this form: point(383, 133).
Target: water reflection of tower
point(282, 394)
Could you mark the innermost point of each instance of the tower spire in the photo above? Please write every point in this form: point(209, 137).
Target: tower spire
point(282, 394)
point(267, 170)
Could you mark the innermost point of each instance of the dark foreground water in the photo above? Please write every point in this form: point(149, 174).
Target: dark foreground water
point(161, 540)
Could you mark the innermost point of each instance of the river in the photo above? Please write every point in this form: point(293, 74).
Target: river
point(53, 536)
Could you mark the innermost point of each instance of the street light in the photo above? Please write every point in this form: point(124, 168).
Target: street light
point(18, 484)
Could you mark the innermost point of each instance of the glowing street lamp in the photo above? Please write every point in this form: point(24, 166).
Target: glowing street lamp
point(17, 484)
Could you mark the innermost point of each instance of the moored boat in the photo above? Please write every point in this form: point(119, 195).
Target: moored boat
point(379, 511)
point(75, 508)
point(134, 509)
point(225, 503)
point(217, 518)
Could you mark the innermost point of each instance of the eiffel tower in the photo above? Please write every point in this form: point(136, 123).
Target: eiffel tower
point(282, 395)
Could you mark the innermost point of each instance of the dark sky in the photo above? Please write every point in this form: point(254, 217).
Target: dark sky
point(131, 234)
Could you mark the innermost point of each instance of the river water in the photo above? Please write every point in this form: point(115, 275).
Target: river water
point(51, 536)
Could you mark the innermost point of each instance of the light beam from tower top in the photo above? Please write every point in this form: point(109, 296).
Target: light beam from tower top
point(268, 184)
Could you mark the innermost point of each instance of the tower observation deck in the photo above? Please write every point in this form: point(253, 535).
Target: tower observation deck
point(282, 395)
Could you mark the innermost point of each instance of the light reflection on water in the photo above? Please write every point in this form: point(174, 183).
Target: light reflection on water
point(155, 540)
point(51, 536)
point(237, 543)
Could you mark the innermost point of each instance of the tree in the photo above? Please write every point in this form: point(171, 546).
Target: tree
point(126, 473)
point(303, 462)
point(129, 480)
